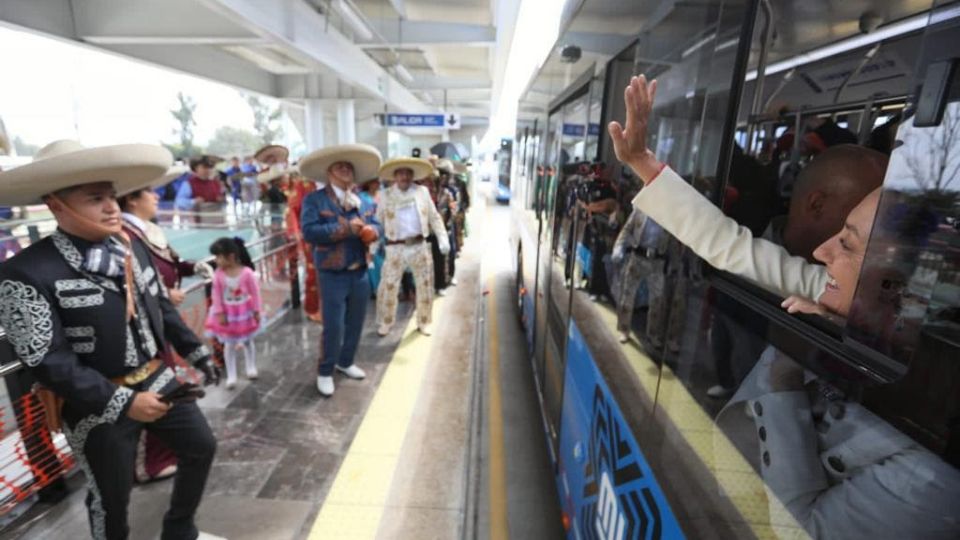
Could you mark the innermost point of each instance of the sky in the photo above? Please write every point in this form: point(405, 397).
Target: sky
point(51, 89)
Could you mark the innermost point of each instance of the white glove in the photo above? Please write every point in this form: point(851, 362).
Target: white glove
point(444, 246)
point(204, 270)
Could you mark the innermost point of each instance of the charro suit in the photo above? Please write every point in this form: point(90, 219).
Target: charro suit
point(414, 255)
point(70, 328)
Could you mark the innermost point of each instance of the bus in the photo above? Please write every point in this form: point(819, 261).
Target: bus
point(662, 387)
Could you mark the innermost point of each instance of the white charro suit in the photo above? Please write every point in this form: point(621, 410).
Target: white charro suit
point(415, 254)
point(828, 464)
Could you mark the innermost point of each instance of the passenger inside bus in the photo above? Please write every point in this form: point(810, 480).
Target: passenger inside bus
point(836, 467)
point(825, 192)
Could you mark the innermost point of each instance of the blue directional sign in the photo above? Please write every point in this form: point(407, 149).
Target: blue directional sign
point(577, 130)
point(439, 120)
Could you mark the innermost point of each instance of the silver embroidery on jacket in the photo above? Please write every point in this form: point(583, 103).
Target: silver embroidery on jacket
point(200, 352)
point(26, 316)
point(78, 293)
point(77, 439)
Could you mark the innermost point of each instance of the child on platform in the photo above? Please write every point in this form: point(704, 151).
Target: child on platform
point(234, 316)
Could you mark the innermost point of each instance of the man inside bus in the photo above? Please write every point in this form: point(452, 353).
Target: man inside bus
point(825, 192)
point(847, 473)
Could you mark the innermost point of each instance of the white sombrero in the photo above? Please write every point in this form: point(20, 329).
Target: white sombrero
point(272, 154)
point(65, 163)
point(421, 168)
point(445, 166)
point(172, 174)
point(364, 158)
point(275, 172)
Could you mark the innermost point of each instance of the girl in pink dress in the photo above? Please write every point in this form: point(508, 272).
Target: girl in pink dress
point(234, 316)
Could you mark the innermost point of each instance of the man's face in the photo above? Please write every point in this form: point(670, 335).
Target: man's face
point(403, 178)
point(144, 205)
point(843, 254)
point(94, 202)
point(235, 162)
point(341, 171)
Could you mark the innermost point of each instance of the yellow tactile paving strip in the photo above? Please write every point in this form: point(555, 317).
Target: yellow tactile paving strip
point(357, 499)
point(741, 484)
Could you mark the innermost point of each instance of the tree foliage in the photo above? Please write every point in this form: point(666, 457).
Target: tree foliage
point(229, 141)
point(266, 122)
point(183, 114)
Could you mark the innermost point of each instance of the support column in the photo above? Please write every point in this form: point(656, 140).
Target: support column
point(313, 124)
point(346, 122)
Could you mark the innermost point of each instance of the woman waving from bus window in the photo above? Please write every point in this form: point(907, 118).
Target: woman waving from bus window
point(845, 473)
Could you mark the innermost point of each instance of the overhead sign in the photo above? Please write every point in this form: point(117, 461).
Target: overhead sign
point(577, 130)
point(430, 121)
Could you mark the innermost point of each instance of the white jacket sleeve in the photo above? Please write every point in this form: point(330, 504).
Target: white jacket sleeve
point(723, 243)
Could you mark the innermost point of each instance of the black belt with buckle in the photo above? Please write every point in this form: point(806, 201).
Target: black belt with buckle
point(407, 241)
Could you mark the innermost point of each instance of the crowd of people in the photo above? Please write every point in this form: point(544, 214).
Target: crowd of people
point(91, 309)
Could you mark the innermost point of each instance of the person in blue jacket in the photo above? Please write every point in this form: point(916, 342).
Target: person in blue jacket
point(338, 223)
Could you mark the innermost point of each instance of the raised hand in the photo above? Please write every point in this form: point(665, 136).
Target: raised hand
point(630, 141)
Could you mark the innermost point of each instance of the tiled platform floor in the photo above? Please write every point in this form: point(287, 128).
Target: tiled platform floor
point(280, 445)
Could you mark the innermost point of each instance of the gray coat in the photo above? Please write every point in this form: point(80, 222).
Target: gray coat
point(847, 474)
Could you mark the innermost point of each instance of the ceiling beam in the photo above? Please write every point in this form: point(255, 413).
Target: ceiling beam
point(407, 33)
point(427, 82)
point(299, 29)
point(146, 22)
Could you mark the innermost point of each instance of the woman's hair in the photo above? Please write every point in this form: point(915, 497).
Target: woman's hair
point(124, 201)
point(232, 246)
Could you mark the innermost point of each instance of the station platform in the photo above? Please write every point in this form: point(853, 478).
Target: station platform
point(442, 440)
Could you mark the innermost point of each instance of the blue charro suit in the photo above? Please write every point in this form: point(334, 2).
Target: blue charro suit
point(341, 261)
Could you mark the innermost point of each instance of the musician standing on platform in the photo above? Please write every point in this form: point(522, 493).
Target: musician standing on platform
point(87, 315)
point(340, 225)
point(408, 216)
point(155, 460)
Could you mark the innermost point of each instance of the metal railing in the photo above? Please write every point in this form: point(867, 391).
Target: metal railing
point(288, 247)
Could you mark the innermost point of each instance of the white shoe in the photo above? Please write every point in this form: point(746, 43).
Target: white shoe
point(384, 329)
point(442, 292)
point(719, 392)
point(453, 282)
point(353, 372)
point(231, 384)
point(252, 374)
point(624, 337)
point(208, 536)
point(325, 385)
point(425, 329)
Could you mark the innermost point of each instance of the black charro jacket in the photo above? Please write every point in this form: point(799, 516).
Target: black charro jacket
point(69, 326)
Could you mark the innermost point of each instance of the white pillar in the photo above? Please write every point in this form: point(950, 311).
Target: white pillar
point(346, 122)
point(445, 136)
point(313, 124)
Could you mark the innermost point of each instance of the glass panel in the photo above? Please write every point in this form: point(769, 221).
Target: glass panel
point(551, 296)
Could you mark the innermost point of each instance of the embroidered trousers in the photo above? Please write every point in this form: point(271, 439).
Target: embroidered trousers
point(419, 260)
point(635, 270)
point(106, 453)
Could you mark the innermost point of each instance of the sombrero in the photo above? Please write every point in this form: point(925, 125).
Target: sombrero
point(172, 173)
point(275, 172)
point(445, 166)
point(421, 168)
point(65, 163)
point(272, 154)
point(364, 158)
